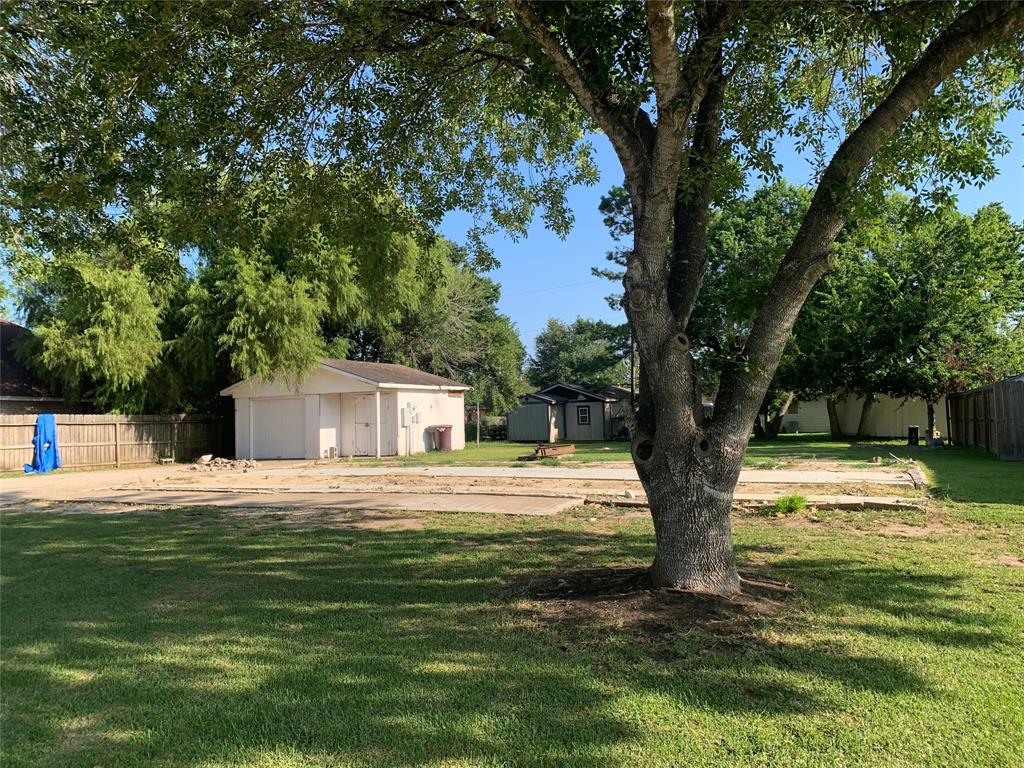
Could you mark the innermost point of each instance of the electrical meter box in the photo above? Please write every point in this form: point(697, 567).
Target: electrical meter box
point(410, 415)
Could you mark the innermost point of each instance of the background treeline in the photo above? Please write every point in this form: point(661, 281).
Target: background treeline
point(156, 307)
point(919, 302)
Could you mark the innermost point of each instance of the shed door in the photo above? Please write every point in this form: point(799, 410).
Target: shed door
point(278, 428)
point(365, 425)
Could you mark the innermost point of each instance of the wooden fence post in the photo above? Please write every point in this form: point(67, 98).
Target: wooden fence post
point(117, 445)
point(174, 439)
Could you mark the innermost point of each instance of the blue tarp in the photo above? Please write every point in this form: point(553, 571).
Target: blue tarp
point(45, 455)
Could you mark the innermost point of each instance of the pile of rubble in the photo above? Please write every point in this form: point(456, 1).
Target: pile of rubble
point(208, 463)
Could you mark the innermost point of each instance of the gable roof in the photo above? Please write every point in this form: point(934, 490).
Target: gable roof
point(16, 379)
point(383, 375)
point(606, 395)
point(390, 373)
point(614, 392)
point(539, 398)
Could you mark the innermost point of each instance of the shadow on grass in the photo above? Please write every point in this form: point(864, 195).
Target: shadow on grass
point(134, 639)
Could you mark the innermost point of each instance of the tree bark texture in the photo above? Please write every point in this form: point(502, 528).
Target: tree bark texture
point(776, 422)
point(690, 493)
point(865, 415)
point(835, 427)
point(690, 467)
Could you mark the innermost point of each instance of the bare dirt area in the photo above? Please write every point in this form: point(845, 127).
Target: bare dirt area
point(255, 517)
point(1009, 561)
point(597, 489)
point(904, 531)
point(594, 605)
point(502, 490)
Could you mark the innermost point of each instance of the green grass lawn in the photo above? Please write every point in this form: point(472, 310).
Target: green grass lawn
point(197, 638)
point(500, 451)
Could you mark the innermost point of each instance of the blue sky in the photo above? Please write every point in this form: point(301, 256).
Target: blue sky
point(543, 276)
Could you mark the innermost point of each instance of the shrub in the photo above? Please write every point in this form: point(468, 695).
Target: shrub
point(790, 505)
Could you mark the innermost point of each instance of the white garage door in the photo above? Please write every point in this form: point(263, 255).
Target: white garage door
point(278, 428)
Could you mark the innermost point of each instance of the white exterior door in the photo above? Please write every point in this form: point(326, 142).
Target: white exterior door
point(278, 428)
point(364, 428)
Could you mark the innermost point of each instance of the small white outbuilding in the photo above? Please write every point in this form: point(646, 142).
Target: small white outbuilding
point(346, 408)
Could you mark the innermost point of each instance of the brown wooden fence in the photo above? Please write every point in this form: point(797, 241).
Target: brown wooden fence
point(95, 440)
point(990, 417)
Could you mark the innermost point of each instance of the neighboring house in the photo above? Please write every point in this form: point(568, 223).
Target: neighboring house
point(570, 412)
point(888, 417)
point(346, 408)
point(21, 391)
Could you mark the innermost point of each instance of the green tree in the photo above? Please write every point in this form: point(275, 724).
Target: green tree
point(591, 353)
point(953, 288)
point(288, 269)
point(94, 323)
point(455, 331)
point(485, 106)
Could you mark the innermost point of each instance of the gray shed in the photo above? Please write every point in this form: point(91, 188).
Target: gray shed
point(569, 412)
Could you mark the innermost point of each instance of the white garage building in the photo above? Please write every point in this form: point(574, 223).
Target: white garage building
point(346, 408)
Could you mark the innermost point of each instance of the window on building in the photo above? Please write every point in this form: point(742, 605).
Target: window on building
point(583, 415)
point(794, 407)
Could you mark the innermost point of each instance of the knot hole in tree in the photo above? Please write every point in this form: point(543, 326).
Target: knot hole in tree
point(644, 450)
point(637, 297)
point(703, 447)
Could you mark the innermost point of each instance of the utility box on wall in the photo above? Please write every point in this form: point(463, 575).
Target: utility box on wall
point(410, 415)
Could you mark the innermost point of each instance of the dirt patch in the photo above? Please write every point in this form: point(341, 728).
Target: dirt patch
point(305, 519)
point(86, 508)
point(79, 733)
point(1010, 561)
point(912, 531)
point(589, 606)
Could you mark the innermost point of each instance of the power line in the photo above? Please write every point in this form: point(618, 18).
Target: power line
point(552, 288)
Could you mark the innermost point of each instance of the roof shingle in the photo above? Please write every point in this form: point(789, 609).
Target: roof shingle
point(390, 373)
point(16, 380)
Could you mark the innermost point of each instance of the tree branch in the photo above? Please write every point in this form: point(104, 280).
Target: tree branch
point(629, 149)
point(745, 384)
point(665, 61)
point(693, 202)
point(678, 95)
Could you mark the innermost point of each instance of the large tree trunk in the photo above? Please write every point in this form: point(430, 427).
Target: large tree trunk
point(865, 414)
point(688, 467)
point(691, 503)
point(835, 427)
point(776, 423)
point(931, 423)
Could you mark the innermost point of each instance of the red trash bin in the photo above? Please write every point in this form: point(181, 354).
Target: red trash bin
point(440, 437)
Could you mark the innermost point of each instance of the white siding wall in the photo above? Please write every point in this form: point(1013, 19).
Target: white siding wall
point(389, 427)
point(312, 431)
point(812, 416)
point(329, 412)
point(434, 408)
point(242, 444)
point(330, 424)
point(889, 417)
